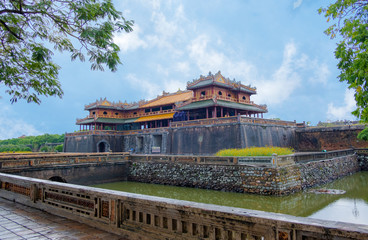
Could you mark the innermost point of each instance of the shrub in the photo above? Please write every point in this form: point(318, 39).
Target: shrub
point(44, 149)
point(363, 135)
point(59, 148)
point(254, 151)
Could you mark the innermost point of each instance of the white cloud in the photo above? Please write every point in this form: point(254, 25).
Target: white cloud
point(283, 82)
point(130, 41)
point(294, 69)
point(206, 51)
point(271, 90)
point(343, 112)
point(297, 3)
point(208, 59)
point(321, 73)
point(152, 89)
point(13, 127)
point(168, 32)
point(149, 88)
point(182, 67)
point(173, 85)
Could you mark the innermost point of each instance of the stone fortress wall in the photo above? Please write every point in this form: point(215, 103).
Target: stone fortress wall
point(206, 137)
point(328, 138)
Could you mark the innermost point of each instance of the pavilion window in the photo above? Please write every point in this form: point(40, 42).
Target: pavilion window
point(220, 93)
point(147, 110)
point(203, 93)
point(105, 113)
point(167, 107)
point(244, 98)
point(156, 109)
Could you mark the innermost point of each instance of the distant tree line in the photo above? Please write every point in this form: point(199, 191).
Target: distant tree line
point(43, 143)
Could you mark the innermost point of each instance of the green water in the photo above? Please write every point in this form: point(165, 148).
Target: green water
point(349, 207)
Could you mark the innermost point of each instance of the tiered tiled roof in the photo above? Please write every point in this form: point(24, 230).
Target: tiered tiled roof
point(219, 80)
point(221, 103)
point(167, 99)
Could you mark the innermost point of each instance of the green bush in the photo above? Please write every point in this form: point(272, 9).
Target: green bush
point(363, 135)
point(44, 149)
point(59, 148)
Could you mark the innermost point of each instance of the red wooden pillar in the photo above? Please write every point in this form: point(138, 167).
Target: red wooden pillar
point(206, 112)
point(215, 113)
point(222, 112)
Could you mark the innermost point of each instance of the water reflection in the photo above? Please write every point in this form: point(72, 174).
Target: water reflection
point(322, 206)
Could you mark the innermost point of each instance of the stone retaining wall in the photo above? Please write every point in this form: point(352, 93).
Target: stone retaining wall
point(317, 173)
point(242, 178)
point(363, 162)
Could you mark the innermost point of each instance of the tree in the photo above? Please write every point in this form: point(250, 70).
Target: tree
point(351, 24)
point(29, 28)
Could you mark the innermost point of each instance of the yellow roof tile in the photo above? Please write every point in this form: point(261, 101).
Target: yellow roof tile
point(169, 99)
point(155, 117)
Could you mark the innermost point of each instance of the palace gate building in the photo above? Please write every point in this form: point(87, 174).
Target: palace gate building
point(213, 113)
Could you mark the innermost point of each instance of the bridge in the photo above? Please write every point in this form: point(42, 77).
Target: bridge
point(135, 216)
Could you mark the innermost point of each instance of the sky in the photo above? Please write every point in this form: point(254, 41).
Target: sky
point(276, 46)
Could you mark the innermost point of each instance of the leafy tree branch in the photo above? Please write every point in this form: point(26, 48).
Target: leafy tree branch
point(350, 22)
point(81, 27)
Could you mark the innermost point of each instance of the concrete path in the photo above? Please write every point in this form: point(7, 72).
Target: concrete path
point(21, 222)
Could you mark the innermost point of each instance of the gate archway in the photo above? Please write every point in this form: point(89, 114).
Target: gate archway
point(57, 179)
point(103, 146)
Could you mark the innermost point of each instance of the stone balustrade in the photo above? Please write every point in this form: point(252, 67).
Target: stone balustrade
point(269, 161)
point(135, 216)
point(10, 161)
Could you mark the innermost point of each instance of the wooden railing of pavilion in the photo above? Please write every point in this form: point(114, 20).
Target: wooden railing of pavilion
point(131, 115)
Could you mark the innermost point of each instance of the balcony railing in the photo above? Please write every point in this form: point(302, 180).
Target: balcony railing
point(126, 116)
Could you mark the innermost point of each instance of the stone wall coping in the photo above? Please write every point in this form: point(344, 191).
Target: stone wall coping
point(274, 160)
point(331, 129)
point(34, 160)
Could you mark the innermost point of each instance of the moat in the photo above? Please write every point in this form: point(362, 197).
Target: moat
point(349, 207)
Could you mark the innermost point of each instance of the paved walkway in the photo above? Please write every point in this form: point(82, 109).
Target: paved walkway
point(21, 222)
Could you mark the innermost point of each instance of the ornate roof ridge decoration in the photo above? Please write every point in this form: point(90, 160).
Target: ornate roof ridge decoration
point(103, 102)
point(219, 78)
